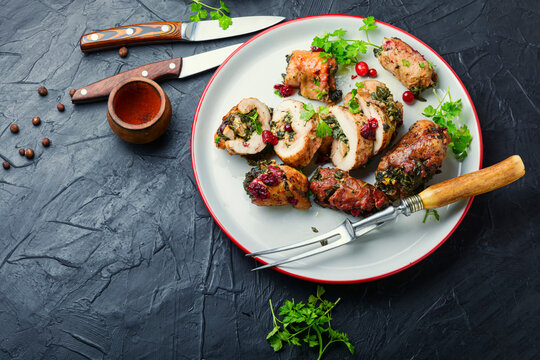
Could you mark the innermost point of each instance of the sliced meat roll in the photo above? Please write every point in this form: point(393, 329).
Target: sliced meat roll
point(241, 129)
point(269, 184)
point(382, 112)
point(407, 65)
point(379, 93)
point(350, 149)
point(413, 161)
point(314, 75)
point(336, 189)
point(298, 140)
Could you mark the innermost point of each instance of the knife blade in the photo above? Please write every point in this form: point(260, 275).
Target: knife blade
point(164, 31)
point(158, 71)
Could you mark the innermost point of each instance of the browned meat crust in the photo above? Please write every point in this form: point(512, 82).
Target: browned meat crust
point(413, 161)
point(269, 184)
point(336, 189)
point(314, 76)
point(407, 65)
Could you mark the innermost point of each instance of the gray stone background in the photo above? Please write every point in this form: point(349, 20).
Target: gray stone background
point(107, 251)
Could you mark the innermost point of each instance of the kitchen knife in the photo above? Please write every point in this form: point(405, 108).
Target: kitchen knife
point(158, 71)
point(172, 31)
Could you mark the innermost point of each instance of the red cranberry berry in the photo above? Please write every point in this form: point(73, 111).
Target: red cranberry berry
point(288, 127)
point(372, 73)
point(316, 49)
point(355, 212)
point(369, 129)
point(269, 138)
point(362, 68)
point(292, 200)
point(284, 90)
point(408, 97)
point(258, 191)
point(269, 179)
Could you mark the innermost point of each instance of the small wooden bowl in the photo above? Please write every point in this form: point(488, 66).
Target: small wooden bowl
point(138, 110)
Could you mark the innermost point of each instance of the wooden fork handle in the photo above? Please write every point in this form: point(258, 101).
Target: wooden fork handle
point(100, 90)
point(472, 184)
point(132, 35)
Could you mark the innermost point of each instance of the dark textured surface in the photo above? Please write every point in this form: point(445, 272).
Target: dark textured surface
point(107, 251)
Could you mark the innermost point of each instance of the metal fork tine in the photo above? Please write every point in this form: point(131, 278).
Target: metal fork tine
point(326, 236)
point(345, 238)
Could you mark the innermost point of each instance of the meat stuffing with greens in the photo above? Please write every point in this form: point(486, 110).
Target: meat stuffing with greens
point(269, 184)
point(336, 189)
point(241, 129)
point(297, 138)
point(418, 155)
point(314, 75)
point(407, 65)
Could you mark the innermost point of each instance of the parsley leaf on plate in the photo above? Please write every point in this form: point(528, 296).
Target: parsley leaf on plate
point(219, 14)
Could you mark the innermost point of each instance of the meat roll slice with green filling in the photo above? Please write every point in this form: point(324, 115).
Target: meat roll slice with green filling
point(350, 149)
point(241, 129)
point(384, 114)
point(269, 184)
point(336, 189)
point(417, 156)
point(298, 140)
point(407, 65)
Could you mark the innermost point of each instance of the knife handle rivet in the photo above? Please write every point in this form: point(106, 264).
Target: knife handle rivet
point(129, 31)
point(172, 66)
point(83, 92)
point(144, 73)
point(165, 28)
point(94, 37)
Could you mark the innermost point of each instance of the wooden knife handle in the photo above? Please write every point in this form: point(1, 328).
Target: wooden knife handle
point(100, 90)
point(132, 35)
point(472, 184)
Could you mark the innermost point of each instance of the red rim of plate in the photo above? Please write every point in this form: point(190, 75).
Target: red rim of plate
point(195, 118)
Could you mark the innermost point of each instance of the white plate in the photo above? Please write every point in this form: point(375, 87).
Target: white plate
point(251, 72)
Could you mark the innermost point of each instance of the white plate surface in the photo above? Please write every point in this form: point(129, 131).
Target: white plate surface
point(251, 72)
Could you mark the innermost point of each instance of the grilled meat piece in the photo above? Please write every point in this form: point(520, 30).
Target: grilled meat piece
point(350, 149)
point(376, 102)
point(314, 75)
point(298, 140)
point(240, 130)
point(407, 65)
point(413, 161)
point(336, 189)
point(269, 184)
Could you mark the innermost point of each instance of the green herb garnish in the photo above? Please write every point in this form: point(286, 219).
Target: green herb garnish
point(217, 139)
point(323, 129)
point(422, 65)
point(278, 93)
point(307, 113)
point(431, 212)
point(352, 104)
point(442, 115)
point(317, 81)
point(431, 65)
point(321, 94)
point(323, 110)
point(254, 118)
point(345, 51)
point(219, 14)
point(406, 62)
point(308, 323)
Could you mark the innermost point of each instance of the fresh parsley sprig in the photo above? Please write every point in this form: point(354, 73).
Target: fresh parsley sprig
point(431, 212)
point(219, 14)
point(308, 323)
point(442, 115)
point(258, 125)
point(369, 24)
point(352, 104)
point(307, 113)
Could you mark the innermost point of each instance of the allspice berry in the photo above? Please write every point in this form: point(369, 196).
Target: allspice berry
point(29, 153)
point(36, 121)
point(60, 107)
point(21, 151)
point(46, 142)
point(14, 128)
point(6, 165)
point(42, 90)
point(123, 52)
point(72, 92)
